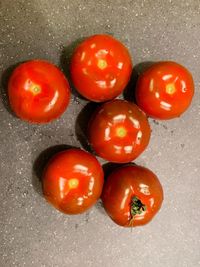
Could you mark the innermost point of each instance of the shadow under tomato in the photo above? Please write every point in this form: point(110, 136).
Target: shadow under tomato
point(99, 207)
point(109, 167)
point(65, 59)
point(40, 163)
point(81, 124)
point(129, 91)
point(4, 87)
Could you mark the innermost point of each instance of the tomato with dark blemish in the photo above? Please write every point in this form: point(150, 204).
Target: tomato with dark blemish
point(132, 196)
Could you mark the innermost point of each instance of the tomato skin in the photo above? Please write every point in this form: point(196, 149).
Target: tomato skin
point(100, 68)
point(119, 131)
point(73, 181)
point(122, 186)
point(165, 90)
point(38, 91)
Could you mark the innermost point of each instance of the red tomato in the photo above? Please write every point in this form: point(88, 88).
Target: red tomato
point(100, 68)
point(38, 91)
point(165, 90)
point(119, 131)
point(73, 181)
point(132, 195)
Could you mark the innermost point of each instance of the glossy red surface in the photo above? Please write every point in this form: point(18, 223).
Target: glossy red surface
point(119, 131)
point(100, 68)
point(38, 91)
point(165, 90)
point(73, 181)
point(122, 186)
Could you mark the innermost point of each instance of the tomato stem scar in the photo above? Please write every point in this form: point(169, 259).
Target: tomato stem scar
point(35, 89)
point(137, 207)
point(73, 183)
point(102, 64)
point(170, 88)
point(121, 132)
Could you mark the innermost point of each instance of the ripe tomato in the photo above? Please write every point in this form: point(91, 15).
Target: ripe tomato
point(119, 131)
point(165, 90)
point(132, 195)
point(73, 181)
point(100, 68)
point(38, 91)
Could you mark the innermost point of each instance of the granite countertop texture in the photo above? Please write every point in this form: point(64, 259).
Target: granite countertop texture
point(32, 233)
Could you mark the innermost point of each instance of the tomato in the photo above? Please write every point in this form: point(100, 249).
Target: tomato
point(165, 90)
point(38, 91)
point(73, 181)
point(100, 68)
point(132, 195)
point(119, 131)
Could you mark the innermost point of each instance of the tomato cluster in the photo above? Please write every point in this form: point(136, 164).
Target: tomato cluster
point(118, 131)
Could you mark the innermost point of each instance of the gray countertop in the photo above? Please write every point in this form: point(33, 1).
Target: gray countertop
point(32, 233)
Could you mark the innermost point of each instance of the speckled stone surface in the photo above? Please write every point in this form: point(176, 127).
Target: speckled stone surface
point(32, 233)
